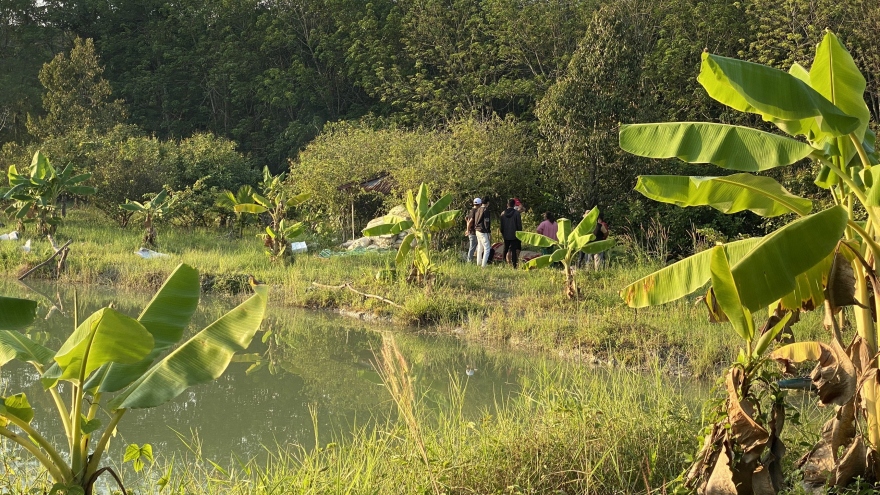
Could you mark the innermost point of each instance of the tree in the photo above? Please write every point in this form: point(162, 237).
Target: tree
point(77, 96)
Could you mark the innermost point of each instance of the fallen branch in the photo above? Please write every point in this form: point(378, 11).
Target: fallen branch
point(364, 294)
point(62, 249)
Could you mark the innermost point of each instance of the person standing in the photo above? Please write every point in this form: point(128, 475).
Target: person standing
point(548, 228)
point(601, 233)
point(482, 228)
point(511, 223)
point(470, 231)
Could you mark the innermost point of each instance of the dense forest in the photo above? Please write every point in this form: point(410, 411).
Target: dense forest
point(489, 98)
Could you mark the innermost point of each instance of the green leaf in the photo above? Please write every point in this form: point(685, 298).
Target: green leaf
point(727, 295)
point(682, 278)
point(835, 76)
point(298, 199)
point(89, 426)
point(133, 206)
point(40, 167)
point(727, 146)
point(250, 208)
point(563, 228)
point(729, 194)
point(439, 206)
point(377, 230)
point(202, 359)
point(137, 455)
point(404, 249)
point(533, 239)
point(798, 352)
point(539, 262)
point(166, 317)
point(16, 313)
point(597, 247)
point(587, 226)
point(771, 93)
point(423, 203)
point(769, 271)
point(104, 337)
point(14, 345)
point(17, 406)
point(441, 221)
point(768, 336)
point(559, 255)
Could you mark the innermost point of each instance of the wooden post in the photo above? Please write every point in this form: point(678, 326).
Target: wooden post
point(352, 220)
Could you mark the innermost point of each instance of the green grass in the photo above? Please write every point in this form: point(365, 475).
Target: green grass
point(496, 305)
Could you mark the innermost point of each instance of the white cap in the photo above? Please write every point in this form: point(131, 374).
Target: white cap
point(478, 201)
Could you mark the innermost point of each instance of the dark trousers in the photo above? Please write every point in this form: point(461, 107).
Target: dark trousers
point(512, 248)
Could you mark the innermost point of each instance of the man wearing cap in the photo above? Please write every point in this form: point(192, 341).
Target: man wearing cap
point(482, 229)
point(469, 231)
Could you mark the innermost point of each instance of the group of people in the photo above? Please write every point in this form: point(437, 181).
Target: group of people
point(478, 230)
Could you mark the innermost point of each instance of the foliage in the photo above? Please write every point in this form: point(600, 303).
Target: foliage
point(275, 200)
point(35, 194)
point(571, 243)
point(424, 219)
point(801, 266)
point(467, 159)
point(151, 210)
point(111, 353)
point(77, 95)
point(228, 200)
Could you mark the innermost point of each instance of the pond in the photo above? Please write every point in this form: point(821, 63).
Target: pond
point(305, 369)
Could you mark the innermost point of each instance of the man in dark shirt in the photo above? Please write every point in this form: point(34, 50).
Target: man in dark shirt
point(511, 223)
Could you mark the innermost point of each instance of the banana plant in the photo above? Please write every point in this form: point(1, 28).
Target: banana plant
point(822, 116)
point(35, 194)
point(570, 243)
point(151, 210)
point(229, 200)
point(112, 363)
point(274, 199)
point(424, 219)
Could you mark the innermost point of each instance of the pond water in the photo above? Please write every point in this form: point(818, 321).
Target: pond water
point(303, 368)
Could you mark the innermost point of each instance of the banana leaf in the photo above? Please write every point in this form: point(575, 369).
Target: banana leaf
point(727, 146)
point(682, 278)
point(16, 313)
point(773, 94)
point(769, 271)
point(727, 295)
point(729, 194)
point(201, 359)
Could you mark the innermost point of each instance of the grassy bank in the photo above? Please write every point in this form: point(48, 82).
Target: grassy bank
point(492, 305)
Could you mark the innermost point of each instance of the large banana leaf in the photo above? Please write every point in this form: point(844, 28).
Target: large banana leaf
point(298, 199)
point(16, 313)
point(727, 295)
point(835, 76)
point(439, 206)
point(423, 203)
point(107, 336)
point(165, 317)
point(250, 208)
point(404, 249)
point(682, 278)
point(597, 247)
point(809, 291)
point(586, 226)
point(769, 271)
point(533, 239)
point(563, 229)
point(771, 93)
point(441, 221)
point(539, 262)
point(14, 345)
point(728, 194)
point(202, 359)
point(732, 147)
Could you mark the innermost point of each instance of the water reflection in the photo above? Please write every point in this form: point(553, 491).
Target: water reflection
point(300, 362)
